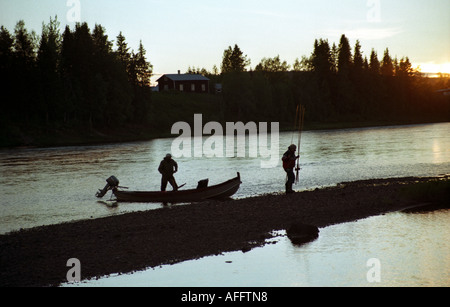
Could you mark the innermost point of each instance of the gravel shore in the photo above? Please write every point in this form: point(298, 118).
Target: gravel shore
point(139, 240)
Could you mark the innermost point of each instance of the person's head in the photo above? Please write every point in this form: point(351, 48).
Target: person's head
point(168, 156)
point(292, 148)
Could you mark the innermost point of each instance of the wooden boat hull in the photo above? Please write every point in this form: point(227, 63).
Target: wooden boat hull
point(220, 191)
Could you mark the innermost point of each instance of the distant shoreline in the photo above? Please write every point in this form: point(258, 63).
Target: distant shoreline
point(139, 240)
point(96, 137)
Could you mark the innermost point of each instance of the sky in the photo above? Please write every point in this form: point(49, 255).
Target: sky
point(178, 34)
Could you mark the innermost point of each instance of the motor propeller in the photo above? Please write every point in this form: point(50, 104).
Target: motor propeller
point(111, 183)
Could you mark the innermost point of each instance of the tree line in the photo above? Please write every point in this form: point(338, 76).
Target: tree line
point(336, 83)
point(72, 79)
point(80, 80)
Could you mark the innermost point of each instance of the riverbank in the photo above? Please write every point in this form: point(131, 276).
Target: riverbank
point(30, 137)
point(135, 241)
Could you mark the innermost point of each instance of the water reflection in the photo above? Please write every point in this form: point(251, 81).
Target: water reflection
point(412, 250)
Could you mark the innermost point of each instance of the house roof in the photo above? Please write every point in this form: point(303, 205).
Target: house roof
point(184, 77)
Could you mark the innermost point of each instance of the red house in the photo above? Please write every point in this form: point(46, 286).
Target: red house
point(189, 83)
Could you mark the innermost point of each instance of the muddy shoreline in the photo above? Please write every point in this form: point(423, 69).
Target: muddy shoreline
point(139, 240)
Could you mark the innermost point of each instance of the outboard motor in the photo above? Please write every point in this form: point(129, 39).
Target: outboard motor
point(111, 183)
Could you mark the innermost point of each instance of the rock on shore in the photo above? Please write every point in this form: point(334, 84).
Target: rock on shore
point(300, 233)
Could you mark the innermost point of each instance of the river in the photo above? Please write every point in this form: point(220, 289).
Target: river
point(41, 186)
point(393, 250)
point(53, 185)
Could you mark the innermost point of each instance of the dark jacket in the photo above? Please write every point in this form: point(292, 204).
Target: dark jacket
point(289, 158)
point(167, 167)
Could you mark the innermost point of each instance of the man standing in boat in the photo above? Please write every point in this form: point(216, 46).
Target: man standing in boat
point(167, 168)
point(289, 159)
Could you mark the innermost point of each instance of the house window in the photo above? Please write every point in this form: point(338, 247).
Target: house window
point(203, 88)
point(193, 87)
point(181, 87)
point(166, 87)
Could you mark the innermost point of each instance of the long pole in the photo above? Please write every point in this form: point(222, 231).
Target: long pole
point(295, 123)
point(301, 117)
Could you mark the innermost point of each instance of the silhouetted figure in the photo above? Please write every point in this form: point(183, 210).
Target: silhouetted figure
point(167, 168)
point(289, 159)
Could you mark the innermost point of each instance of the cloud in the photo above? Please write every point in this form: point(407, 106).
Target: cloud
point(365, 33)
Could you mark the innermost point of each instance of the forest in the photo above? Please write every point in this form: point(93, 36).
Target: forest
point(73, 81)
point(336, 84)
point(80, 86)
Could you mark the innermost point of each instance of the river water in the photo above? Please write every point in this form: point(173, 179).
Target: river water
point(53, 185)
point(392, 250)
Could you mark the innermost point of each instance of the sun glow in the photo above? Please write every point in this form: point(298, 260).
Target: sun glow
point(434, 68)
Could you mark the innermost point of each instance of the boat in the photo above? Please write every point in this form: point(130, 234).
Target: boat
point(201, 193)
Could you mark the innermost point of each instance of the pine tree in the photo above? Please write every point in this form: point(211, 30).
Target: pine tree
point(358, 61)
point(142, 68)
point(102, 45)
point(122, 51)
point(387, 67)
point(374, 64)
point(24, 46)
point(344, 57)
point(23, 73)
point(334, 58)
point(321, 58)
point(51, 102)
point(6, 71)
point(6, 47)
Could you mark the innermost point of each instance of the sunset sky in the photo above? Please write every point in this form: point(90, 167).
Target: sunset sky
point(179, 33)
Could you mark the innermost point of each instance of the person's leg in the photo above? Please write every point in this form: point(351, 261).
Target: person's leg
point(163, 183)
point(173, 183)
point(291, 180)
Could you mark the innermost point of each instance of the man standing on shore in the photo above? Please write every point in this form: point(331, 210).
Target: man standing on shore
point(167, 168)
point(289, 159)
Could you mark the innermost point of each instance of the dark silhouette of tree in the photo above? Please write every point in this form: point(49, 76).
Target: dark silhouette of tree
point(50, 101)
point(234, 60)
point(199, 71)
point(6, 48)
point(321, 58)
point(374, 64)
point(366, 65)
point(142, 68)
point(305, 64)
point(387, 66)
point(24, 47)
point(122, 52)
point(345, 57)
point(405, 68)
point(6, 77)
point(358, 61)
point(272, 65)
point(334, 58)
point(24, 73)
point(141, 71)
